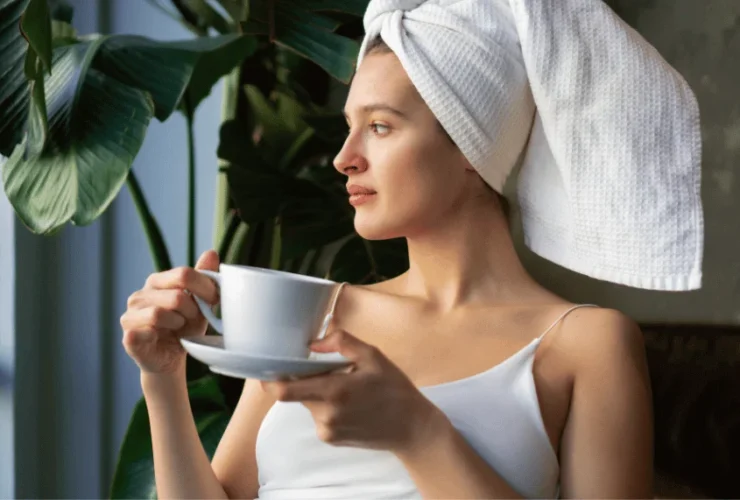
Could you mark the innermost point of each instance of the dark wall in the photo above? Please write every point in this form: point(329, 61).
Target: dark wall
point(696, 370)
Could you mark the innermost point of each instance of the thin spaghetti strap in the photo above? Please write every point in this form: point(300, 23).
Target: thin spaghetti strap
point(330, 315)
point(336, 298)
point(562, 316)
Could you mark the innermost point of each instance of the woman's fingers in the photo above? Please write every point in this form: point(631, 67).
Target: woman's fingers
point(152, 317)
point(172, 299)
point(185, 278)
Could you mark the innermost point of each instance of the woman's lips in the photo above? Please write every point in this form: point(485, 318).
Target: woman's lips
point(359, 195)
point(362, 198)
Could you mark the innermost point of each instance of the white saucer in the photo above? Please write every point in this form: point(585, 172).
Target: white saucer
point(210, 350)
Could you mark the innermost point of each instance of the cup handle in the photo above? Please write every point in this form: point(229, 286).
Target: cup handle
point(205, 308)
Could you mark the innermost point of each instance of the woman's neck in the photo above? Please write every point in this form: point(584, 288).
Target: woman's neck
point(467, 258)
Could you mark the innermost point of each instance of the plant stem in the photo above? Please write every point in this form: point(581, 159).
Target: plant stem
point(157, 247)
point(237, 247)
point(228, 112)
point(232, 224)
point(191, 180)
point(276, 247)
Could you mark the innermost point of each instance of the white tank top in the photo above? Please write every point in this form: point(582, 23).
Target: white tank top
point(496, 411)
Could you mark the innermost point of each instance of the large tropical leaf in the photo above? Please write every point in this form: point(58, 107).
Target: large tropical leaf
point(311, 213)
point(236, 9)
point(262, 193)
point(280, 124)
point(14, 87)
point(36, 27)
point(330, 127)
point(355, 7)
point(362, 261)
point(91, 146)
point(167, 69)
point(209, 16)
point(303, 30)
point(134, 476)
point(60, 11)
point(62, 33)
point(100, 97)
point(311, 223)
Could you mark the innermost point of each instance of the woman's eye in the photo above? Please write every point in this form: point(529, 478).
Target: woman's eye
point(380, 129)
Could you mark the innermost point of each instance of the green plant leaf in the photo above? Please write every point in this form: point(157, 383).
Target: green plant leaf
point(261, 191)
point(334, 53)
point(354, 7)
point(305, 35)
point(134, 476)
point(312, 222)
point(60, 11)
point(38, 121)
point(258, 195)
point(258, 190)
point(14, 87)
point(62, 33)
point(361, 261)
point(157, 247)
point(208, 16)
point(92, 145)
point(36, 27)
point(236, 10)
point(101, 96)
point(166, 69)
point(222, 54)
point(280, 124)
point(330, 127)
point(235, 145)
point(294, 9)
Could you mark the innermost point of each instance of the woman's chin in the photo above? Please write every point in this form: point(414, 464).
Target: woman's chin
point(375, 230)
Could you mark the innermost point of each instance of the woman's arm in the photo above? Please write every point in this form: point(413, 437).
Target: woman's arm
point(606, 450)
point(607, 445)
point(181, 466)
point(235, 462)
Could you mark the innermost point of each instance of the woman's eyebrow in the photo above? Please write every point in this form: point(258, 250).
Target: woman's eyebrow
point(368, 108)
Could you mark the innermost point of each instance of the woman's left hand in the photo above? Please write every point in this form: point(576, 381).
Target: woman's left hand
point(375, 405)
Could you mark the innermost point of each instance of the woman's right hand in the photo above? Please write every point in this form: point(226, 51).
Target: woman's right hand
point(159, 314)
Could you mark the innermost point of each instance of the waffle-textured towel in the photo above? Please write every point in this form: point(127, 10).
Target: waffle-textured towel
point(608, 132)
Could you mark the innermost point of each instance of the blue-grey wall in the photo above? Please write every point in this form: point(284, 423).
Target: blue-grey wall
point(7, 347)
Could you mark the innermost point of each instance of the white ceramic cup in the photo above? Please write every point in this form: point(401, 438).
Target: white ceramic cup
point(269, 313)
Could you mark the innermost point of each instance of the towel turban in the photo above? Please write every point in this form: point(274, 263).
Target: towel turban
point(607, 132)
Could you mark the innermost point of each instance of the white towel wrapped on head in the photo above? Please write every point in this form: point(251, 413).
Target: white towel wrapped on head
point(608, 131)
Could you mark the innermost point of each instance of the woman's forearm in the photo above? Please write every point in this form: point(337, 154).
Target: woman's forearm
point(445, 466)
point(181, 466)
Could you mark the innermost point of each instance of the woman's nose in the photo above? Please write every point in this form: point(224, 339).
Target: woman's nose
point(349, 160)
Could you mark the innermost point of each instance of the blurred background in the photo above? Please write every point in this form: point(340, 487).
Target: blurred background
point(68, 390)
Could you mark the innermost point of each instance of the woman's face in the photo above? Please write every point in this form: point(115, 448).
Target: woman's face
point(397, 150)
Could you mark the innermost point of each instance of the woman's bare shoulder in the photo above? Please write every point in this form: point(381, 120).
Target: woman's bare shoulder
point(596, 337)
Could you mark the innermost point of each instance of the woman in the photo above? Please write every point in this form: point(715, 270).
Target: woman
point(469, 379)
